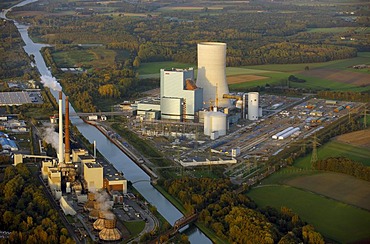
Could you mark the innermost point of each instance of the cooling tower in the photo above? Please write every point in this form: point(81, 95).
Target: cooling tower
point(211, 73)
point(60, 146)
point(253, 105)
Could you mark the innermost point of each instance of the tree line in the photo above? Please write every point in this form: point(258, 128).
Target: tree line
point(235, 217)
point(254, 38)
point(26, 212)
point(345, 95)
point(344, 165)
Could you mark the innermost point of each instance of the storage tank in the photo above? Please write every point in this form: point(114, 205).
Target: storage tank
point(207, 123)
point(219, 123)
point(253, 102)
point(211, 73)
point(239, 104)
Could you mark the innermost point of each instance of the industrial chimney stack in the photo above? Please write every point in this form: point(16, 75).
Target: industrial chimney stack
point(67, 150)
point(60, 146)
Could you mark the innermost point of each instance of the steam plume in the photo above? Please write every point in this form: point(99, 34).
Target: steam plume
point(51, 137)
point(50, 82)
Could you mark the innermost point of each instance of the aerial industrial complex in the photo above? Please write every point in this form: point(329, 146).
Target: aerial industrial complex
point(202, 115)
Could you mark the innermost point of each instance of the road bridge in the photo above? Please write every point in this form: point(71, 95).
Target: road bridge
point(183, 221)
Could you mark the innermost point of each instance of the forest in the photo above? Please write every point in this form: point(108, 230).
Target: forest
point(277, 33)
point(236, 218)
point(14, 61)
point(27, 214)
point(344, 165)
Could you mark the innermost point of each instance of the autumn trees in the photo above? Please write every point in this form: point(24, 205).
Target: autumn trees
point(26, 212)
point(236, 218)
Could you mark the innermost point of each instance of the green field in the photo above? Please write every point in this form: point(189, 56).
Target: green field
point(98, 56)
point(337, 149)
point(335, 220)
point(154, 67)
point(331, 30)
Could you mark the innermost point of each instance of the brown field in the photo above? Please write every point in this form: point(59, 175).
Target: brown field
point(358, 138)
point(341, 187)
point(348, 77)
point(236, 79)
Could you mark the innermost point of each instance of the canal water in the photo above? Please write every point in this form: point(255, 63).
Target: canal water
point(111, 152)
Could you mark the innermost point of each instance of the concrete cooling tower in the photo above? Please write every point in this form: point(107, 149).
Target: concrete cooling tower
point(211, 73)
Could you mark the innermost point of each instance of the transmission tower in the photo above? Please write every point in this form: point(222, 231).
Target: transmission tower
point(314, 151)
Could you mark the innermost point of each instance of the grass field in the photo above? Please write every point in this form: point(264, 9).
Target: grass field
point(337, 149)
point(99, 57)
point(335, 220)
point(154, 68)
point(351, 191)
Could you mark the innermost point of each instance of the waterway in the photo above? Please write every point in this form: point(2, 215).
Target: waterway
point(111, 152)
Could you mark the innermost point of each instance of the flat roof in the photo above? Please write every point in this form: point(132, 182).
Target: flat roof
point(14, 98)
point(111, 173)
point(93, 165)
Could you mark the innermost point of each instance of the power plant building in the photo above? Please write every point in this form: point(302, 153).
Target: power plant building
point(212, 73)
point(93, 175)
point(180, 97)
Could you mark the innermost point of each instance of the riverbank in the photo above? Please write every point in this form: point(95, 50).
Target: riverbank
point(137, 160)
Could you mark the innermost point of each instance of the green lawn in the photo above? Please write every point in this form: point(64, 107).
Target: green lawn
point(134, 227)
point(335, 220)
point(154, 67)
point(337, 149)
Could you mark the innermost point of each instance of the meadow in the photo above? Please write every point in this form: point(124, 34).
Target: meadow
point(335, 220)
point(337, 149)
point(278, 74)
point(87, 57)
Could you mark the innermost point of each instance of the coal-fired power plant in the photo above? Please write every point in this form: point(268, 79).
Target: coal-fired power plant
point(60, 141)
point(67, 149)
point(212, 73)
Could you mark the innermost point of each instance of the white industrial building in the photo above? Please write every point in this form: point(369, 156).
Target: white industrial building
point(215, 124)
point(212, 73)
point(253, 101)
point(180, 97)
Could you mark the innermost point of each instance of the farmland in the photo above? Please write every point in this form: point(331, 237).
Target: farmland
point(333, 75)
point(336, 204)
point(337, 221)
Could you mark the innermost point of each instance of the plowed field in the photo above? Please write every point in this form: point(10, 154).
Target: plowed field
point(357, 138)
point(348, 77)
point(244, 78)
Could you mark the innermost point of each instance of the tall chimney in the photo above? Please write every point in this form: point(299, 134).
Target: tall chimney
point(60, 149)
point(67, 149)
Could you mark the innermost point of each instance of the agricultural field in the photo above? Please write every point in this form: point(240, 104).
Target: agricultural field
point(98, 57)
point(352, 191)
point(336, 204)
point(338, 149)
point(335, 220)
point(335, 75)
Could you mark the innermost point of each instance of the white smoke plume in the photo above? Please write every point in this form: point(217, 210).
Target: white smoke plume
point(103, 198)
point(51, 137)
point(51, 82)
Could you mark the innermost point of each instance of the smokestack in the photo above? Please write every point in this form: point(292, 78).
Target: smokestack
point(60, 150)
point(94, 149)
point(67, 149)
